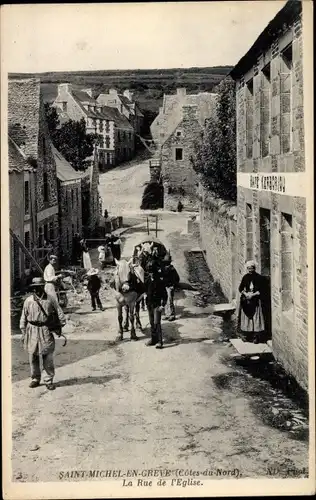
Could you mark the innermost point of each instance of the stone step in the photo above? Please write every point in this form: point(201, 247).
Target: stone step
point(224, 308)
point(250, 349)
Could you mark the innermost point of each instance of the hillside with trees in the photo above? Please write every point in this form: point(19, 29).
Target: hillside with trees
point(148, 86)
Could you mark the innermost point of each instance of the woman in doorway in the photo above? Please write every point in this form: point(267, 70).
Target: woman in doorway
point(251, 323)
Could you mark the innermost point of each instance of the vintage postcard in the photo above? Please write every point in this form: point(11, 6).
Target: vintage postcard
point(157, 249)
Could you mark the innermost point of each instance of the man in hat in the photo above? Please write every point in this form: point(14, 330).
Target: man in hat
point(51, 278)
point(156, 299)
point(37, 323)
point(172, 279)
point(94, 285)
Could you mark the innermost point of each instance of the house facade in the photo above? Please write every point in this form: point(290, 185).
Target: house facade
point(22, 201)
point(70, 205)
point(28, 130)
point(176, 130)
point(114, 131)
point(122, 137)
point(126, 106)
point(271, 179)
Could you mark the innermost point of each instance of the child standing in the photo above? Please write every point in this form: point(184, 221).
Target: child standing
point(94, 285)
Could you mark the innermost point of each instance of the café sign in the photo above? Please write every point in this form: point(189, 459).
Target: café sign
point(286, 183)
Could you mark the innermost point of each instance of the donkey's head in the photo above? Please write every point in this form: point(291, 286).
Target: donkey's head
point(123, 272)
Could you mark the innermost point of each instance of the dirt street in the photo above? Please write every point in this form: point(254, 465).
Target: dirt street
point(123, 405)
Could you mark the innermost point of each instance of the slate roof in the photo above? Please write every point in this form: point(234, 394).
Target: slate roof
point(24, 103)
point(172, 113)
point(113, 114)
point(283, 19)
point(83, 96)
point(17, 159)
point(65, 172)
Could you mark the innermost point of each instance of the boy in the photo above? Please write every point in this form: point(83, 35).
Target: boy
point(94, 285)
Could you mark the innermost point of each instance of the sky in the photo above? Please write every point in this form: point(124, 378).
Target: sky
point(72, 37)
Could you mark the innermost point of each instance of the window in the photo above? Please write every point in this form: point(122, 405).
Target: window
point(51, 231)
point(287, 262)
point(46, 233)
point(107, 126)
point(249, 232)
point(265, 241)
point(107, 142)
point(121, 108)
point(179, 154)
point(101, 126)
point(45, 187)
point(41, 236)
point(265, 111)
point(73, 229)
point(44, 146)
point(27, 243)
point(94, 122)
point(26, 198)
point(179, 133)
point(249, 118)
point(72, 198)
point(286, 66)
point(64, 106)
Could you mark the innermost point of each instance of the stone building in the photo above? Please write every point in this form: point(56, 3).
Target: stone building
point(271, 179)
point(90, 200)
point(116, 135)
point(28, 129)
point(22, 203)
point(122, 137)
point(70, 204)
point(126, 105)
point(176, 131)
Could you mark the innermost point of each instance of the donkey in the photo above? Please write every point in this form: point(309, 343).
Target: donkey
point(128, 283)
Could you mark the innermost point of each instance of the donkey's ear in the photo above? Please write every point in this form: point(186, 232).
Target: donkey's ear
point(151, 244)
point(130, 261)
point(116, 261)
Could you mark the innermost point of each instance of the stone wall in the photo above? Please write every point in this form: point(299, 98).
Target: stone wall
point(179, 178)
point(272, 226)
point(218, 230)
point(16, 189)
point(70, 217)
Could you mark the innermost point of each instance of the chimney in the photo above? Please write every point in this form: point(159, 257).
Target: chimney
point(181, 92)
point(64, 88)
point(88, 91)
point(128, 94)
point(189, 112)
point(113, 92)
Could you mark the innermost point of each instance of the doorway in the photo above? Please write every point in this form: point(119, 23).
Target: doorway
point(265, 260)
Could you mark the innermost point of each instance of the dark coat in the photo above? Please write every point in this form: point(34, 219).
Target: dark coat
point(171, 276)
point(94, 283)
point(249, 306)
point(156, 293)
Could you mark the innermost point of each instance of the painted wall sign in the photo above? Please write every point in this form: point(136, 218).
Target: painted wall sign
point(287, 183)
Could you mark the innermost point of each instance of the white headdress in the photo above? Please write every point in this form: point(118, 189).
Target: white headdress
point(251, 263)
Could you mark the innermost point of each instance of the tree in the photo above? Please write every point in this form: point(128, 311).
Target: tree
point(215, 155)
point(71, 139)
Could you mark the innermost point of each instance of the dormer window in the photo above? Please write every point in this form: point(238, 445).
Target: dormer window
point(179, 133)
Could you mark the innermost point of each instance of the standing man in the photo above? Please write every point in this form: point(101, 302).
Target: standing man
point(40, 313)
point(172, 279)
point(156, 299)
point(51, 278)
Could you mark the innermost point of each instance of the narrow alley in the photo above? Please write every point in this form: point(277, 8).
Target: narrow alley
point(123, 405)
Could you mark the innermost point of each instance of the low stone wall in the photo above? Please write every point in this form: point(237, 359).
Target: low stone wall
point(189, 201)
point(218, 239)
